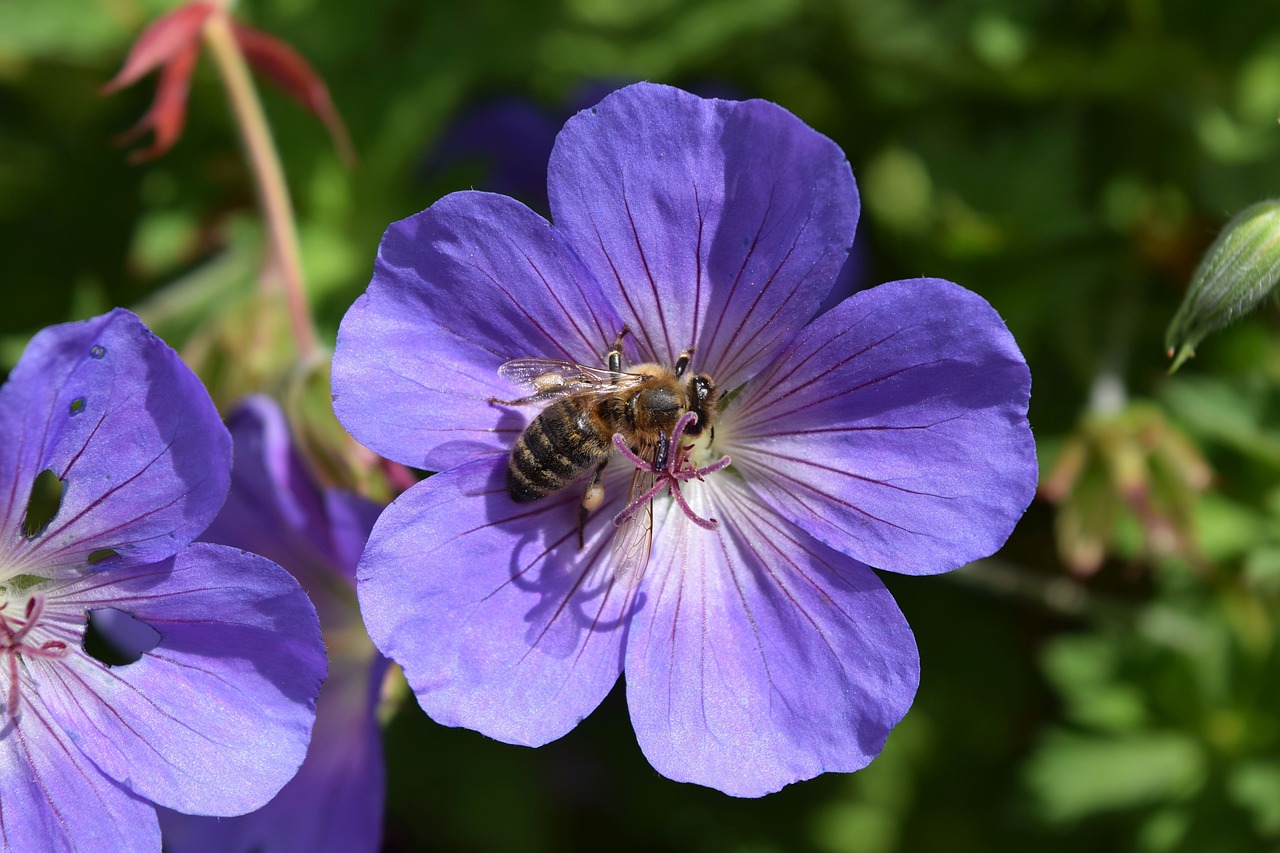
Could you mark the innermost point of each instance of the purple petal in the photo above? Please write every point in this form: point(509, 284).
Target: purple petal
point(351, 517)
point(762, 657)
point(114, 412)
point(333, 805)
point(501, 624)
point(276, 509)
point(473, 281)
point(895, 429)
point(511, 137)
point(716, 223)
point(273, 502)
point(217, 717)
point(55, 799)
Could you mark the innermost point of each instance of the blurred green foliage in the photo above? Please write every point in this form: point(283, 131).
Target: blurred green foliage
point(1068, 161)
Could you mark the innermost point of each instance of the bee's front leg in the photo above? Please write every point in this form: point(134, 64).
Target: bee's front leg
point(661, 452)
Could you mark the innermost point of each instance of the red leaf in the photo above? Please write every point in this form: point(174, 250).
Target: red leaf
point(286, 68)
point(161, 43)
point(168, 112)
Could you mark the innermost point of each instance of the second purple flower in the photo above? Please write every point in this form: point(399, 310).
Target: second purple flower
point(890, 431)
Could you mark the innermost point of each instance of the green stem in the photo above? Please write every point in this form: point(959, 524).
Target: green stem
point(268, 174)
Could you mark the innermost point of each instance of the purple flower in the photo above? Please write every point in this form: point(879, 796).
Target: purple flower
point(215, 717)
point(890, 431)
point(276, 509)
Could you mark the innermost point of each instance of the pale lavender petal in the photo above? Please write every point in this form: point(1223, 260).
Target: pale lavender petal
point(333, 805)
point(473, 281)
point(114, 412)
point(894, 429)
point(501, 624)
point(720, 224)
point(55, 800)
point(217, 717)
point(762, 657)
point(276, 509)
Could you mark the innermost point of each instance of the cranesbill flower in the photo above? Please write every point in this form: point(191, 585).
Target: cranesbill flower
point(215, 717)
point(276, 509)
point(889, 431)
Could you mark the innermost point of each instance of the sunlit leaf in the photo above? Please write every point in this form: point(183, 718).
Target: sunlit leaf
point(1074, 776)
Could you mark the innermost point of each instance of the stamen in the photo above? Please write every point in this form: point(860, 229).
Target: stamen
point(679, 468)
point(13, 634)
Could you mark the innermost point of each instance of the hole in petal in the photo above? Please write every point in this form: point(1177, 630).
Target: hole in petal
point(97, 351)
point(99, 555)
point(116, 638)
point(77, 405)
point(42, 505)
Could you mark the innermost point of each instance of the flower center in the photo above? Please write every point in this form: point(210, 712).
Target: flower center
point(679, 467)
point(15, 641)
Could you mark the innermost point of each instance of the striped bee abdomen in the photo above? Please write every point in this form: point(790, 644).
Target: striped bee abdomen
point(556, 446)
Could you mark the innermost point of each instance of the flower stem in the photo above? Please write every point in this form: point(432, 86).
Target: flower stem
point(268, 174)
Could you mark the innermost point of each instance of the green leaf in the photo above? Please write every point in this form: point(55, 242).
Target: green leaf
point(1085, 670)
point(1256, 787)
point(1074, 776)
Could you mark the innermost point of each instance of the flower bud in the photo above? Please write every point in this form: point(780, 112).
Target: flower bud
point(1237, 272)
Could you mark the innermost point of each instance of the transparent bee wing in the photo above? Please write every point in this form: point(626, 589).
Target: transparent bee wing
point(527, 371)
point(633, 540)
point(548, 378)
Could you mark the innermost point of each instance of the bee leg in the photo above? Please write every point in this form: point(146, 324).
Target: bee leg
point(661, 453)
point(592, 497)
point(537, 397)
point(548, 386)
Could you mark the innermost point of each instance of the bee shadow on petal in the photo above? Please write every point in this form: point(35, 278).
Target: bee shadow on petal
point(570, 593)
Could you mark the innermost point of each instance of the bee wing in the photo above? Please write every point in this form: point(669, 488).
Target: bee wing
point(634, 538)
point(550, 378)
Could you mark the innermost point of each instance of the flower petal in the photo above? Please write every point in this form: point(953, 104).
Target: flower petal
point(276, 509)
point(473, 281)
point(130, 430)
point(334, 804)
point(894, 429)
point(351, 517)
point(500, 622)
point(762, 657)
point(716, 223)
point(55, 799)
point(217, 717)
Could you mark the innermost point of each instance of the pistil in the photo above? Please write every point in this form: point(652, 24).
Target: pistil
point(13, 643)
point(679, 468)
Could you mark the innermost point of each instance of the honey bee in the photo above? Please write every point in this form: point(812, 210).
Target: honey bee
point(574, 433)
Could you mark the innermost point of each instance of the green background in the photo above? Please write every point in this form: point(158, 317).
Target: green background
point(1067, 160)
